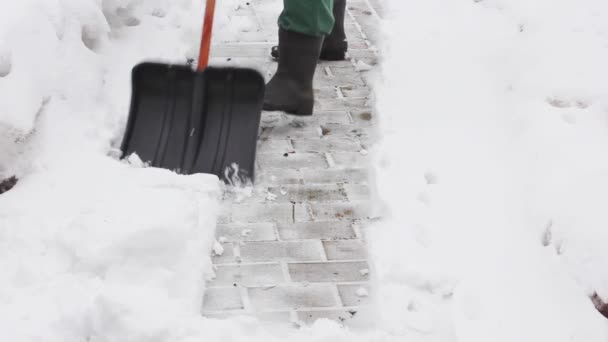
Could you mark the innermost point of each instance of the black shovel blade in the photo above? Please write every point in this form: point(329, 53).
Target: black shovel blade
point(195, 122)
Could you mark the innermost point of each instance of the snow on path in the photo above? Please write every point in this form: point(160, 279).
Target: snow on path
point(494, 169)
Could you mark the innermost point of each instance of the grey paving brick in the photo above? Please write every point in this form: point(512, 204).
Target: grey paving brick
point(330, 104)
point(294, 129)
point(272, 317)
point(335, 175)
point(292, 297)
point(332, 117)
point(274, 146)
point(224, 215)
point(328, 271)
point(282, 251)
point(344, 131)
point(292, 160)
point(269, 119)
point(358, 103)
point(311, 193)
point(357, 192)
point(325, 92)
point(259, 64)
point(350, 159)
point(273, 176)
point(345, 250)
point(240, 50)
point(350, 297)
point(320, 117)
point(226, 257)
point(334, 230)
point(236, 232)
point(343, 316)
point(248, 213)
point(302, 212)
point(216, 299)
point(363, 53)
point(248, 275)
point(363, 117)
point(356, 91)
point(329, 144)
point(340, 211)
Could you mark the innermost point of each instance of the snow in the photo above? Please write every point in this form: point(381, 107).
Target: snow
point(92, 248)
point(493, 170)
point(492, 173)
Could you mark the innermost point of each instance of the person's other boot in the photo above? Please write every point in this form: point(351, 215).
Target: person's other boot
point(335, 45)
point(290, 89)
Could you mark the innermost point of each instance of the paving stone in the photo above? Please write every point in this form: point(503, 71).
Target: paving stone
point(311, 193)
point(357, 192)
point(275, 176)
point(335, 175)
point(337, 117)
point(217, 299)
point(365, 116)
point(350, 159)
point(349, 296)
point(271, 317)
point(236, 232)
point(329, 144)
point(302, 212)
point(226, 257)
point(248, 275)
point(345, 250)
point(353, 131)
point(240, 50)
point(294, 129)
point(328, 271)
point(248, 213)
point(363, 53)
point(340, 211)
point(325, 92)
point(319, 118)
point(358, 103)
point(309, 317)
point(274, 146)
point(355, 91)
point(260, 64)
point(329, 104)
point(292, 160)
point(292, 297)
point(308, 250)
point(335, 230)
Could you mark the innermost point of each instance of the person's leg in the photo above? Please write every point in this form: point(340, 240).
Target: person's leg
point(302, 26)
point(309, 17)
point(335, 45)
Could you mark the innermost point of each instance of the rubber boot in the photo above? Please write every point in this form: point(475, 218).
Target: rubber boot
point(335, 44)
point(290, 89)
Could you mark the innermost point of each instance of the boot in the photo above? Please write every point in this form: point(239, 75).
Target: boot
point(290, 89)
point(335, 44)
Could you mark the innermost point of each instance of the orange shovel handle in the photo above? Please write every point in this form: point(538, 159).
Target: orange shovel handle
point(203, 59)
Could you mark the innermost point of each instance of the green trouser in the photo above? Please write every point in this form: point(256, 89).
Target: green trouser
point(310, 17)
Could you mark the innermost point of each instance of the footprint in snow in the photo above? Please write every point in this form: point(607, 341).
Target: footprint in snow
point(5, 64)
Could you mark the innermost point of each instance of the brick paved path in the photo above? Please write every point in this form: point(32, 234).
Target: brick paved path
point(294, 250)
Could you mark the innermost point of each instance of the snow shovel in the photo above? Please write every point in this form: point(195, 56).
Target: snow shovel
point(203, 121)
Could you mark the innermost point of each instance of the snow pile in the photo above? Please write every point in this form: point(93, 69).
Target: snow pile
point(494, 168)
point(92, 248)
